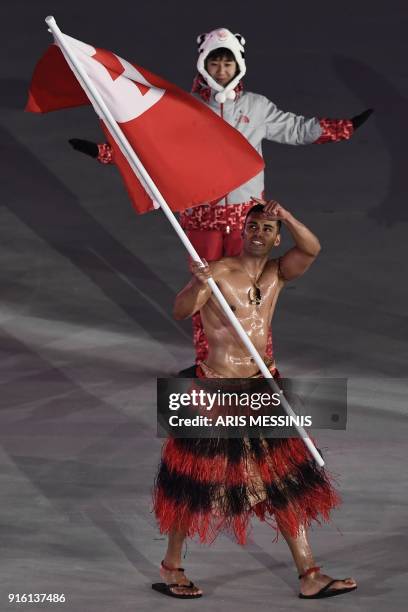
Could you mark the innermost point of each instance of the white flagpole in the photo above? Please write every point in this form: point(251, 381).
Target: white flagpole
point(104, 113)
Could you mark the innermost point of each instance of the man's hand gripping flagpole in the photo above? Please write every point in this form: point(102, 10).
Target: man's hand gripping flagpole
point(138, 168)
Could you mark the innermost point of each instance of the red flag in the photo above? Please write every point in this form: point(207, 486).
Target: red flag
point(192, 155)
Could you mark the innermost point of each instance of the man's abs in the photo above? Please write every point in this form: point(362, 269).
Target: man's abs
point(228, 355)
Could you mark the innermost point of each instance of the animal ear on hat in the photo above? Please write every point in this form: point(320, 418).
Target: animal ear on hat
point(201, 38)
point(240, 38)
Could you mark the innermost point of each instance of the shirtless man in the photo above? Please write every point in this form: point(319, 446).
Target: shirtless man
point(245, 280)
point(251, 283)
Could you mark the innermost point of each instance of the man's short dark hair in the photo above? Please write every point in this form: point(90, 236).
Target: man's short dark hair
point(259, 208)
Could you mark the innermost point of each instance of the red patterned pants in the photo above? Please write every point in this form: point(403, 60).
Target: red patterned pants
point(215, 232)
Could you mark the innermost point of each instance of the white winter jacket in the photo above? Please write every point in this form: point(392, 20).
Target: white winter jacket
point(257, 118)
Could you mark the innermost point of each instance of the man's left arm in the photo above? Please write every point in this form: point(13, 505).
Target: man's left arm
point(299, 258)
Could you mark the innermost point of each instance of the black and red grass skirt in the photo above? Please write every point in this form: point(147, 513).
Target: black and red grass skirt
point(207, 485)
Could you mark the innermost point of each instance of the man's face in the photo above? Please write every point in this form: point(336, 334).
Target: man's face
point(261, 234)
point(222, 70)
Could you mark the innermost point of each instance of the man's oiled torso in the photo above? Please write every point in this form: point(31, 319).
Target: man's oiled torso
point(227, 354)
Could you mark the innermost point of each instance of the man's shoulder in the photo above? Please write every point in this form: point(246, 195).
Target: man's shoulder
point(234, 263)
point(225, 264)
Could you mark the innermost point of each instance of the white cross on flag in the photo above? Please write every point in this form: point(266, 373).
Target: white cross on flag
point(192, 155)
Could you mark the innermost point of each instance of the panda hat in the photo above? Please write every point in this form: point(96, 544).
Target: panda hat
point(221, 37)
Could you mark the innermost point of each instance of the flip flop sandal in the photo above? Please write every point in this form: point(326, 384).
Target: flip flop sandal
point(165, 589)
point(326, 591)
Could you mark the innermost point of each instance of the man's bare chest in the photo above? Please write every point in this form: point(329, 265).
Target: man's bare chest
point(245, 295)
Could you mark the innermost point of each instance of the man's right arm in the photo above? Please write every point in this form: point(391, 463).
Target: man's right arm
point(194, 295)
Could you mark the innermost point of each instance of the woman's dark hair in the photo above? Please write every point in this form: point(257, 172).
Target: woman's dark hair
point(221, 53)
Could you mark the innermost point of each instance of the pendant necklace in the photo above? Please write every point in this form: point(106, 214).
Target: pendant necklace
point(254, 293)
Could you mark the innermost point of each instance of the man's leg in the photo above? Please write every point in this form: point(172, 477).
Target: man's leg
point(303, 558)
point(174, 547)
point(171, 563)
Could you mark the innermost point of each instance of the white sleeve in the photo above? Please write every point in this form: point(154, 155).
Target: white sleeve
point(288, 128)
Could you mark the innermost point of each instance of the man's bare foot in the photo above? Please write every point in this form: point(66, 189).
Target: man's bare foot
point(177, 576)
point(312, 583)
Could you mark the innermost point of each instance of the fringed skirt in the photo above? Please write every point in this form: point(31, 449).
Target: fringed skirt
point(205, 486)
